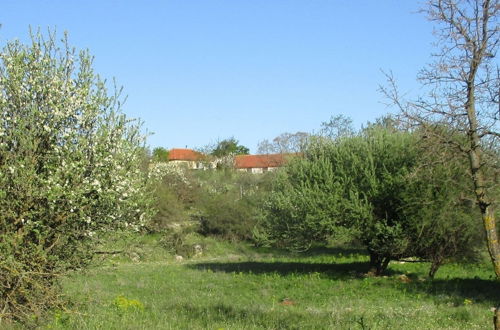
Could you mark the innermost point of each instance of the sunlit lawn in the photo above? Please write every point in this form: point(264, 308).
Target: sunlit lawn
point(258, 289)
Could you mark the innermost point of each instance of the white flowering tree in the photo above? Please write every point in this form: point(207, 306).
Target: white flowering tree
point(69, 168)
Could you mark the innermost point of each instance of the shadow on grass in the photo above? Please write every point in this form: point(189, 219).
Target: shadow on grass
point(455, 291)
point(331, 270)
point(316, 251)
point(446, 291)
point(334, 251)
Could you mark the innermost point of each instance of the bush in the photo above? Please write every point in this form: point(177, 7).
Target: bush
point(354, 182)
point(229, 204)
point(441, 213)
point(69, 168)
point(373, 184)
point(176, 240)
point(175, 192)
point(304, 206)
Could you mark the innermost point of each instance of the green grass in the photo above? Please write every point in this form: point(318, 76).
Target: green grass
point(238, 287)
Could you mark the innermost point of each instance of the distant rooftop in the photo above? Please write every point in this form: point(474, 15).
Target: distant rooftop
point(261, 161)
point(185, 154)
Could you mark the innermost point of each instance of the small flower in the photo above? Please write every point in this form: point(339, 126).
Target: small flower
point(123, 303)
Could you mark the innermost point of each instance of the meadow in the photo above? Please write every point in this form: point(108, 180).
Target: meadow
point(237, 286)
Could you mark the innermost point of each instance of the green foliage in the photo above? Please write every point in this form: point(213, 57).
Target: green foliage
point(70, 167)
point(227, 216)
point(304, 206)
point(174, 241)
point(374, 186)
point(175, 192)
point(228, 147)
point(440, 210)
point(171, 210)
point(229, 203)
point(221, 203)
point(352, 182)
point(160, 154)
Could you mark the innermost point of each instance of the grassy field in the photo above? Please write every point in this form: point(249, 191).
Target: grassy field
point(238, 287)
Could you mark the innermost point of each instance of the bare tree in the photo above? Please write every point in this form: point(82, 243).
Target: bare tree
point(336, 127)
point(462, 88)
point(284, 143)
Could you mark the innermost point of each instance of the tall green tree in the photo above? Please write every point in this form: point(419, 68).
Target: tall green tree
point(374, 187)
point(305, 204)
point(160, 154)
point(229, 147)
point(354, 183)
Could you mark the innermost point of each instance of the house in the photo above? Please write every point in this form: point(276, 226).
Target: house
point(195, 160)
point(260, 163)
point(187, 157)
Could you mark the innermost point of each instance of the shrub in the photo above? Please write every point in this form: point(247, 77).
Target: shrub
point(69, 168)
point(174, 194)
point(440, 212)
point(229, 203)
point(304, 205)
point(354, 182)
point(178, 240)
point(373, 185)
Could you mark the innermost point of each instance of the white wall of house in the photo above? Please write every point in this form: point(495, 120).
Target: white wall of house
point(257, 170)
point(195, 165)
point(190, 164)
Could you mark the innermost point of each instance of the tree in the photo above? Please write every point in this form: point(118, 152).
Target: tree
point(336, 127)
point(160, 154)
point(352, 183)
point(70, 167)
point(440, 215)
point(373, 187)
point(463, 85)
point(229, 147)
point(284, 143)
point(304, 205)
point(377, 176)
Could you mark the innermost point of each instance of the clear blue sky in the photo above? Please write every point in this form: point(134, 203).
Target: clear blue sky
point(200, 70)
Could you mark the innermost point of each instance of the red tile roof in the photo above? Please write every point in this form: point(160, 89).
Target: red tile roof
point(185, 154)
point(261, 161)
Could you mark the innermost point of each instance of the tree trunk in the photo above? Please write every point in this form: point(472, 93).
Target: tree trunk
point(490, 228)
point(487, 212)
point(378, 264)
point(374, 262)
point(477, 171)
point(385, 263)
point(435, 264)
point(494, 250)
point(485, 205)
